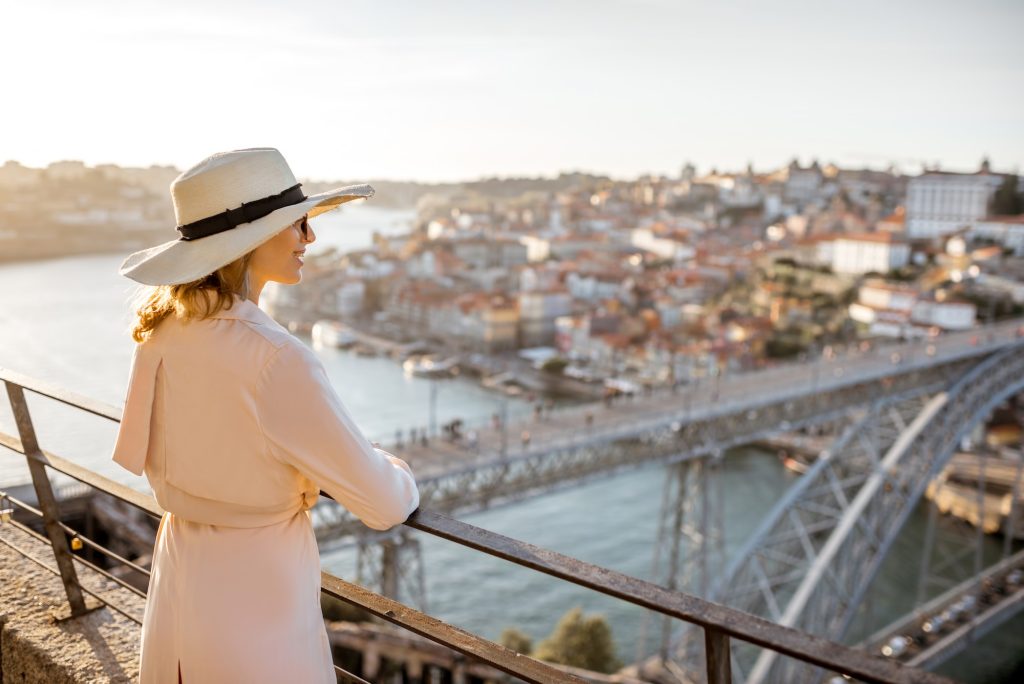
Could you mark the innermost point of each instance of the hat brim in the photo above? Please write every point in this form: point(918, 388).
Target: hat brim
point(183, 261)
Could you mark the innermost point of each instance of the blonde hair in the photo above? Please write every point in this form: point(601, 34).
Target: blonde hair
point(188, 301)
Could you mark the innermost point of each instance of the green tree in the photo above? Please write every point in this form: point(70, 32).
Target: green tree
point(580, 642)
point(555, 365)
point(517, 641)
point(1007, 201)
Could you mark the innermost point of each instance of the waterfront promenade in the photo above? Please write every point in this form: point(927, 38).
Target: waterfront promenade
point(625, 415)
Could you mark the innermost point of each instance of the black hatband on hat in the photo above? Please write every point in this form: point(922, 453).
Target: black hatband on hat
point(248, 212)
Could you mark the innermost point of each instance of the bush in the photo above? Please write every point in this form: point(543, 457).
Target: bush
point(580, 641)
point(517, 641)
point(782, 347)
point(555, 365)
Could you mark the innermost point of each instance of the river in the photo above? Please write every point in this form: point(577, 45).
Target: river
point(65, 321)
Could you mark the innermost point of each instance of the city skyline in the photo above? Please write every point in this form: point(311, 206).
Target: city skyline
point(457, 92)
point(701, 170)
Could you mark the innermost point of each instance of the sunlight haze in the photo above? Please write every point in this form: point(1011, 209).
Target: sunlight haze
point(458, 90)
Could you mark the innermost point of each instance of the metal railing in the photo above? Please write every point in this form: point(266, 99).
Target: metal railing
point(719, 622)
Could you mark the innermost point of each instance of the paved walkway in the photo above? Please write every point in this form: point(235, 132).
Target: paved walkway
point(710, 396)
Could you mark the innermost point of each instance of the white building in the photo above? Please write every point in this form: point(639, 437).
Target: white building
point(803, 185)
point(670, 312)
point(946, 315)
point(593, 287)
point(1007, 231)
point(555, 221)
point(349, 297)
point(537, 313)
point(481, 252)
point(537, 248)
point(1008, 286)
point(438, 229)
point(738, 190)
point(884, 308)
point(884, 322)
point(823, 247)
point(896, 310)
point(879, 294)
point(866, 252)
point(664, 247)
point(940, 203)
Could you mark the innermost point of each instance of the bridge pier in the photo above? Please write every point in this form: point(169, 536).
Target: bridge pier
point(392, 565)
point(689, 551)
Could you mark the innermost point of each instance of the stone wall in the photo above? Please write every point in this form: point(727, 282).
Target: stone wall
point(100, 646)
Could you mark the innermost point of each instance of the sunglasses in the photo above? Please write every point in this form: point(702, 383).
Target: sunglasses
point(304, 228)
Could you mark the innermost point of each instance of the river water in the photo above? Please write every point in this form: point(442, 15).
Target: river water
point(65, 322)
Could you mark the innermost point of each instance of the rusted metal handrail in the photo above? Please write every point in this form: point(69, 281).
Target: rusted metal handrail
point(134, 498)
point(717, 619)
point(495, 655)
point(343, 675)
point(720, 623)
point(47, 501)
point(469, 644)
point(86, 541)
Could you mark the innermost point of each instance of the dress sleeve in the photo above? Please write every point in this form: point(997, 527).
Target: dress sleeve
point(308, 427)
point(132, 443)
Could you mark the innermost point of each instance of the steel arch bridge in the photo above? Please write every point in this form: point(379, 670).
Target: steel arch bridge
point(814, 557)
point(874, 400)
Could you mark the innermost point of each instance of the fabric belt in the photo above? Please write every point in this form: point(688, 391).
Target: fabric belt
point(248, 212)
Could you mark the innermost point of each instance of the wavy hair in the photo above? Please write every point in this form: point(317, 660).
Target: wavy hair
point(188, 301)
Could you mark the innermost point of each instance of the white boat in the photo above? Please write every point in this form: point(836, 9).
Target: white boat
point(429, 366)
point(327, 333)
point(584, 374)
point(506, 382)
point(622, 386)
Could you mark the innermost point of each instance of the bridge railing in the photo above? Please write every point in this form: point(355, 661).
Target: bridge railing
point(720, 623)
point(511, 434)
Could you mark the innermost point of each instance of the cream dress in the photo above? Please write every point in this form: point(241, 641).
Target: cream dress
point(237, 428)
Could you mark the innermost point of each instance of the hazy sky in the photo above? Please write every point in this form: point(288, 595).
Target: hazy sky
point(432, 90)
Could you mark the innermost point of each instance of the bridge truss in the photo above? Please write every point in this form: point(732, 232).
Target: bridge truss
point(811, 562)
point(795, 564)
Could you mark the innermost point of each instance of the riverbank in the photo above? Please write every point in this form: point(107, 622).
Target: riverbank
point(25, 250)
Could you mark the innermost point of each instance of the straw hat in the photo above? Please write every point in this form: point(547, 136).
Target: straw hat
point(225, 206)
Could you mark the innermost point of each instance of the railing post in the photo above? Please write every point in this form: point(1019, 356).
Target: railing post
point(716, 653)
point(47, 501)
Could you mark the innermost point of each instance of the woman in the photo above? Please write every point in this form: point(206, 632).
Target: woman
point(237, 428)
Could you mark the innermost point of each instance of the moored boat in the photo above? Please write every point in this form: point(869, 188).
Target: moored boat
point(328, 333)
point(430, 366)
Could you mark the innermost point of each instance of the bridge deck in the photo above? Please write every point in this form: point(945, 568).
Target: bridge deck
point(947, 624)
point(696, 401)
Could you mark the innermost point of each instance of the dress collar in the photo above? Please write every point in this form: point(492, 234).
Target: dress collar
point(245, 310)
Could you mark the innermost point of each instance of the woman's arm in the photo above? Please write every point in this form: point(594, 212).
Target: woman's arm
point(308, 427)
